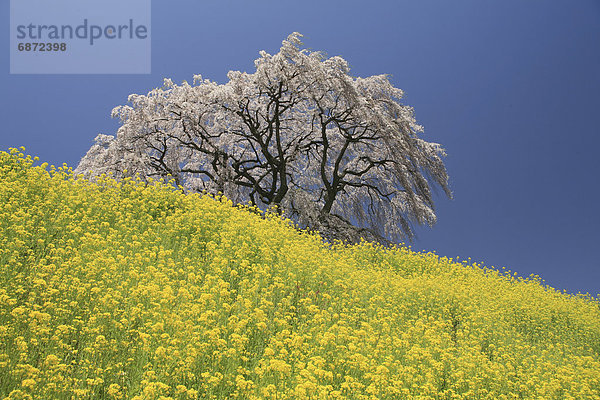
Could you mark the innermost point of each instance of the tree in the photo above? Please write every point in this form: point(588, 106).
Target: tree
point(333, 152)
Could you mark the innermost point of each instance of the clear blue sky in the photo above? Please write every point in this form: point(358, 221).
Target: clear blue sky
point(510, 88)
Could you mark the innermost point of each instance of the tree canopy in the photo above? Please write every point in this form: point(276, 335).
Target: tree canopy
point(331, 151)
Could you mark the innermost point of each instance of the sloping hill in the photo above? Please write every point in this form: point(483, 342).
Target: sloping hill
point(124, 290)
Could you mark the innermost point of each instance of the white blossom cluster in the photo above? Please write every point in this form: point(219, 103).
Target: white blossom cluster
point(299, 133)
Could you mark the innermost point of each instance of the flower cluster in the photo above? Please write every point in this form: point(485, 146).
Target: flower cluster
point(133, 290)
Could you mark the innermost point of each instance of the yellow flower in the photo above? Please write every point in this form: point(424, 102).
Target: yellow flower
point(28, 383)
point(114, 391)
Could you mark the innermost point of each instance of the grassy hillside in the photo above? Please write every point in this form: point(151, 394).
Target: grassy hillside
point(123, 290)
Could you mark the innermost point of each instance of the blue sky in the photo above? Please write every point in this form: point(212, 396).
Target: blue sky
point(510, 88)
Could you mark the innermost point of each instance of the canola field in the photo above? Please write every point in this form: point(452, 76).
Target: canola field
point(137, 291)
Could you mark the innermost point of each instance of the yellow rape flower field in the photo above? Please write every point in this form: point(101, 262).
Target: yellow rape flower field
point(137, 291)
